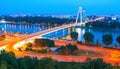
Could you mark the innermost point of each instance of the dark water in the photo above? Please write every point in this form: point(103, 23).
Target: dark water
point(32, 28)
point(24, 28)
point(58, 34)
point(98, 33)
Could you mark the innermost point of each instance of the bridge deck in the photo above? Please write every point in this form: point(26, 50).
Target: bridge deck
point(40, 34)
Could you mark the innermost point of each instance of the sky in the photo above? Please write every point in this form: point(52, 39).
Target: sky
point(59, 7)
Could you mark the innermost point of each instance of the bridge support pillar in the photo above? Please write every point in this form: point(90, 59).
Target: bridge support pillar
point(69, 30)
point(80, 12)
point(63, 32)
point(73, 29)
point(56, 34)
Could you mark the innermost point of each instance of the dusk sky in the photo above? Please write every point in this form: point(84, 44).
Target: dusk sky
point(99, 7)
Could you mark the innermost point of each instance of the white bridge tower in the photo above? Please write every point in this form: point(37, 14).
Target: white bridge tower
point(80, 12)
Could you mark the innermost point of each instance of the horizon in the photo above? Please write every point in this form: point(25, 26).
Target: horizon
point(54, 7)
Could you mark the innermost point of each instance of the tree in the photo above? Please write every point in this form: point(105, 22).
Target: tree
point(118, 39)
point(68, 66)
point(44, 42)
point(2, 37)
point(61, 50)
point(50, 64)
point(3, 64)
point(38, 42)
point(89, 37)
point(61, 65)
point(21, 63)
point(29, 46)
point(97, 43)
point(76, 66)
point(74, 35)
point(47, 63)
point(98, 64)
point(68, 50)
point(49, 43)
point(8, 59)
point(107, 39)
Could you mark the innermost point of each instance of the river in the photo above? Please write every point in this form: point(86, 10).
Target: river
point(32, 28)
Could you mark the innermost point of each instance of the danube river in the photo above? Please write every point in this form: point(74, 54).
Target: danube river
point(32, 28)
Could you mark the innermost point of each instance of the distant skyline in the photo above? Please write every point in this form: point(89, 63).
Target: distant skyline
point(59, 7)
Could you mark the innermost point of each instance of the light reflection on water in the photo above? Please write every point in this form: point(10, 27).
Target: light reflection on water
point(23, 28)
point(32, 28)
point(98, 33)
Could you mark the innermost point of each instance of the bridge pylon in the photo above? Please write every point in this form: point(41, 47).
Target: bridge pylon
point(80, 12)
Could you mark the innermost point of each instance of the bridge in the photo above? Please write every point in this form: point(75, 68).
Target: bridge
point(108, 54)
point(3, 21)
point(29, 38)
point(48, 31)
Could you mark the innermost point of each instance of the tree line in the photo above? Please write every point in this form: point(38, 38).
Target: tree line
point(38, 19)
point(68, 50)
point(9, 61)
point(108, 22)
point(107, 39)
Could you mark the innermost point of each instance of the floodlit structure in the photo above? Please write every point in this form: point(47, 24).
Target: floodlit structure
point(80, 12)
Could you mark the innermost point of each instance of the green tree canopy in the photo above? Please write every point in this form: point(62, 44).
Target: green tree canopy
point(74, 35)
point(44, 42)
point(98, 64)
point(8, 61)
point(70, 49)
point(107, 39)
point(118, 39)
point(89, 37)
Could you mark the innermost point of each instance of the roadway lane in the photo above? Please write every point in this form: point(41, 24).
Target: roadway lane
point(109, 55)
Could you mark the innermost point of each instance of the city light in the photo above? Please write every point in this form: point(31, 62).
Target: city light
point(60, 34)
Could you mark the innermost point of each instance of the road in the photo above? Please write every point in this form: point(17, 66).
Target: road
point(109, 55)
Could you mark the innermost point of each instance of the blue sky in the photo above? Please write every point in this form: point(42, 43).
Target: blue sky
point(99, 7)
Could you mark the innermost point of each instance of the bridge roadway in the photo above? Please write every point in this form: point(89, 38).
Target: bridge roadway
point(109, 55)
point(25, 38)
point(30, 37)
point(40, 34)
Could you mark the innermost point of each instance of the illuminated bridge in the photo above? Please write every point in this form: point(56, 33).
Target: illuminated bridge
point(30, 37)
